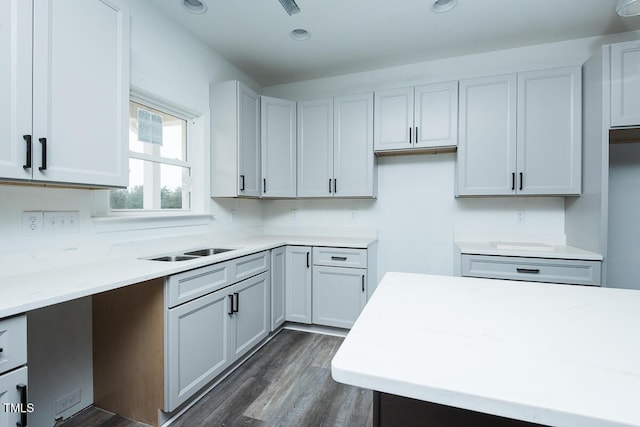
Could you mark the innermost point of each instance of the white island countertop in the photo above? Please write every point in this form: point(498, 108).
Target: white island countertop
point(558, 355)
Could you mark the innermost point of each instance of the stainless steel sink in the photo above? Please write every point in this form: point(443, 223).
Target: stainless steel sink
point(186, 256)
point(173, 258)
point(208, 251)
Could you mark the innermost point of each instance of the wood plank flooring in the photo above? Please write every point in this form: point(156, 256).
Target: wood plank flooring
point(287, 383)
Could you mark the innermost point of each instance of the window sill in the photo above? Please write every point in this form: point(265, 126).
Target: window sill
point(125, 222)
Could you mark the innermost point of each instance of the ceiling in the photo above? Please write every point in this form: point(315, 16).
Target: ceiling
point(357, 35)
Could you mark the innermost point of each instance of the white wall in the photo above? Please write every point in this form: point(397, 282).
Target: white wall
point(416, 213)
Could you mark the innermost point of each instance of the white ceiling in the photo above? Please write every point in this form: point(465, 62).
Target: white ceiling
point(356, 35)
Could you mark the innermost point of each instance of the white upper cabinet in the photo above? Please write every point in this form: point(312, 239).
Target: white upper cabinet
point(278, 136)
point(315, 148)
point(487, 146)
point(15, 81)
point(549, 142)
point(335, 147)
point(625, 84)
point(393, 119)
point(235, 140)
point(423, 117)
point(353, 158)
point(78, 129)
point(521, 134)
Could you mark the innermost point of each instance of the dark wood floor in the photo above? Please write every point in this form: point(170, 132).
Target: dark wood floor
point(287, 383)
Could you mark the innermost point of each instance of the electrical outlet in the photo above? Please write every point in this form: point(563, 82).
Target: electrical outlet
point(67, 401)
point(32, 222)
point(234, 213)
point(521, 217)
point(354, 216)
point(294, 215)
point(60, 222)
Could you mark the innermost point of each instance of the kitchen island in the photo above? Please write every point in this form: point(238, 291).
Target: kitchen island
point(516, 352)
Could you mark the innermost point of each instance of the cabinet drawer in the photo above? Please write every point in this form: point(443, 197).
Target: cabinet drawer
point(186, 286)
point(340, 257)
point(250, 265)
point(577, 272)
point(13, 343)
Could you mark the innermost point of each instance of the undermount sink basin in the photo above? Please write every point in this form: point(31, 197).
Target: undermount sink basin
point(519, 246)
point(208, 251)
point(173, 258)
point(186, 256)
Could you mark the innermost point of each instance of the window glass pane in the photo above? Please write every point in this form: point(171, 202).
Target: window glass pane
point(156, 133)
point(154, 185)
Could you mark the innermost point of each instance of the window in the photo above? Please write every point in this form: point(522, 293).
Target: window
point(159, 164)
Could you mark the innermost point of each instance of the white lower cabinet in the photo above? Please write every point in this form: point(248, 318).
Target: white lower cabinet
point(339, 295)
point(278, 277)
point(298, 284)
point(197, 345)
point(205, 335)
point(13, 398)
point(14, 405)
point(249, 314)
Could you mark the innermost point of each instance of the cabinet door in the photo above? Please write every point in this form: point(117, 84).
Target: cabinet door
point(354, 162)
point(315, 148)
point(278, 276)
point(248, 142)
point(15, 84)
point(197, 345)
point(625, 84)
point(298, 284)
point(339, 295)
point(278, 136)
point(80, 92)
point(393, 122)
point(486, 162)
point(10, 394)
point(251, 318)
point(436, 115)
point(549, 147)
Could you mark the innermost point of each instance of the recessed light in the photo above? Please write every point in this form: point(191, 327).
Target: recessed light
point(300, 34)
point(194, 6)
point(441, 6)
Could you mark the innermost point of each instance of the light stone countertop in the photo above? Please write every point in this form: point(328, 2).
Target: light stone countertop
point(557, 355)
point(30, 281)
point(523, 249)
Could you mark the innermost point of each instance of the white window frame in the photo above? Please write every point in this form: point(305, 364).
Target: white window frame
point(107, 220)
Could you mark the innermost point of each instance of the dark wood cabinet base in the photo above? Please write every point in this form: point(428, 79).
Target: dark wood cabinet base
point(390, 411)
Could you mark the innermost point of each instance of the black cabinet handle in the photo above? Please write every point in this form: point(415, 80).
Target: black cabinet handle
point(1, 349)
point(329, 185)
point(513, 181)
point(237, 300)
point(363, 283)
point(230, 312)
point(335, 186)
point(27, 139)
point(416, 134)
point(308, 259)
point(409, 135)
point(22, 388)
point(43, 141)
point(264, 185)
point(528, 270)
point(338, 258)
point(521, 181)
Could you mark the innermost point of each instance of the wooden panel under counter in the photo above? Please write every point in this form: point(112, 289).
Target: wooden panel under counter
point(128, 351)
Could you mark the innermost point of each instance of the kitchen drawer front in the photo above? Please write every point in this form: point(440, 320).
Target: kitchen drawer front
point(340, 257)
point(577, 272)
point(250, 265)
point(13, 343)
point(186, 286)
